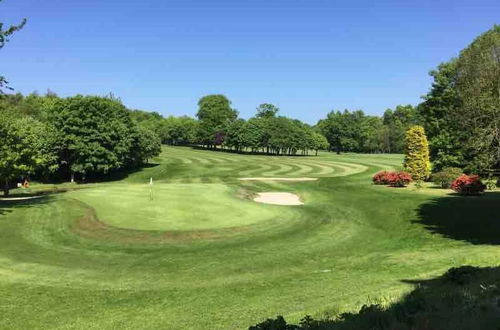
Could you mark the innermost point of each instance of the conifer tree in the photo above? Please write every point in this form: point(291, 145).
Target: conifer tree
point(416, 160)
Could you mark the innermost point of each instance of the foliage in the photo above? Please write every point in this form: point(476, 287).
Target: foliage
point(468, 185)
point(478, 85)
point(397, 122)
point(416, 160)
point(342, 130)
point(97, 135)
point(27, 146)
point(398, 179)
point(491, 183)
point(461, 112)
point(214, 115)
point(446, 176)
point(146, 145)
point(392, 178)
point(273, 135)
point(381, 178)
point(438, 113)
point(318, 142)
point(267, 110)
point(355, 131)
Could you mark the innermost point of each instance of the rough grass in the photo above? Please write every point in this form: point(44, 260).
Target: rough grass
point(96, 259)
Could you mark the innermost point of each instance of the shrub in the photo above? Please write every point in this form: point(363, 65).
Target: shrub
point(491, 184)
point(393, 179)
point(468, 185)
point(398, 179)
point(446, 177)
point(380, 177)
point(416, 160)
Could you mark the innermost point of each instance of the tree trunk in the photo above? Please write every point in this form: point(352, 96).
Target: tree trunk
point(6, 188)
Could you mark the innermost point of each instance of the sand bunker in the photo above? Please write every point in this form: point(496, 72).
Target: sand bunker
point(278, 179)
point(9, 199)
point(278, 198)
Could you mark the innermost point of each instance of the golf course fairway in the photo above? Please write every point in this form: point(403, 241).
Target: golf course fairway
point(195, 251)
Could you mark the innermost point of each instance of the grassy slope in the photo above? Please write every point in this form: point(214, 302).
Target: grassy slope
point(350, 243)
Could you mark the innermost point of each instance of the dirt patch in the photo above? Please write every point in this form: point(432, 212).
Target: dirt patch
point(278, 179)
point(89, 226)
point(278, 198)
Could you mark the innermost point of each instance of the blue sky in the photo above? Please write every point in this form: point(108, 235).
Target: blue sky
point(306, 56)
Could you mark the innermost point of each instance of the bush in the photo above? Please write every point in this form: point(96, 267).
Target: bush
point(398, 179)
point(446, 177)
point(468, 185)
point(380, 177)
point(393, 179)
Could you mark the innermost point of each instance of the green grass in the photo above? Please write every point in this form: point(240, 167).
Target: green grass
point(176, 206)
point(202, 255)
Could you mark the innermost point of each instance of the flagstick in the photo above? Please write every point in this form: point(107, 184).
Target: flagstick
point(151, 189)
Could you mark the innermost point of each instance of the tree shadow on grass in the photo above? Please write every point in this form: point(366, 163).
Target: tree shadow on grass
point(119, 175)
point(474, 219)
point(9, 205)
point(463, 298)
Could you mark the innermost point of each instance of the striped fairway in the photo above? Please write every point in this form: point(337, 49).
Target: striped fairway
point(202, 254)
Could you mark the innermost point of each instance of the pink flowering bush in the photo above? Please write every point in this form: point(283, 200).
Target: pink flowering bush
point(393, 179)
point(468, 185)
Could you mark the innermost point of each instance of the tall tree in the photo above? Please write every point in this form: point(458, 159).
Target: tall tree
point(398, 121)
point(478, 85)
point(462, 110)
point(215, 114)
point(97, 134)
point(343, 129)
point(27, 146)
point(439, 115)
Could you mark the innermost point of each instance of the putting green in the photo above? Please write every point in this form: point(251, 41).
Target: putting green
point(176, 207)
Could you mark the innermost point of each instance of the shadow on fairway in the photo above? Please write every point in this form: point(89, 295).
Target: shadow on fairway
point(475, 219)
point(7, 206)
point(119, 175)
point(463, 298)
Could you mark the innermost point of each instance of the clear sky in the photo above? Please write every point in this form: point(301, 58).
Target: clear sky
point(305, 56)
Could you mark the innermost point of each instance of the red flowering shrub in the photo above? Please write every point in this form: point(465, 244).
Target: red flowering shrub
point(380, 177)
point(398, 179)
point(394, 179)
point(468, 185)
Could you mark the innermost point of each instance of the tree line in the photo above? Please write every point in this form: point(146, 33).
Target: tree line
point(217, 127)
point(82, 137)
point(461, 111)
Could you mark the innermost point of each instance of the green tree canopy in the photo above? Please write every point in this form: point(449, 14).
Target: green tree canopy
point(97, 133)
point(267, 110)
point(215, 114)
point(27, 146)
